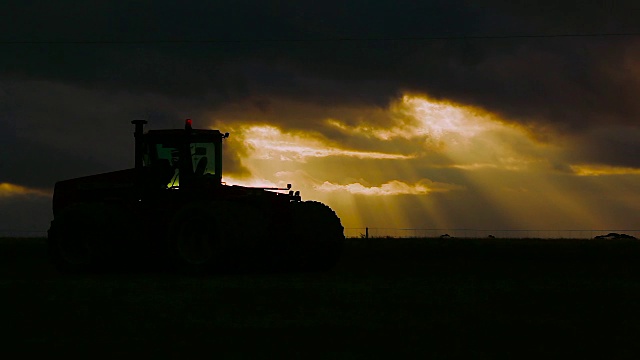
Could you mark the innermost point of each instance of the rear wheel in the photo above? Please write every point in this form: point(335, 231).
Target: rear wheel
point(88, 236)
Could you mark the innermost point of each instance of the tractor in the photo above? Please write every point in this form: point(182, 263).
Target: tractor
point(172, 208)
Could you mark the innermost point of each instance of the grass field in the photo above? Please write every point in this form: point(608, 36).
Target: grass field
point(387, 298)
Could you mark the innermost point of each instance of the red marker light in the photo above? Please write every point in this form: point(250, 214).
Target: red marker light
point(187, 124)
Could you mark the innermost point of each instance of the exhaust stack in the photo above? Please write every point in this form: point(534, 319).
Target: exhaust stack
point(137, 134)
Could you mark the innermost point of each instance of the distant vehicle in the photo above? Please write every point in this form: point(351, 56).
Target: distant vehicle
point(173, 207)
point(615, 236)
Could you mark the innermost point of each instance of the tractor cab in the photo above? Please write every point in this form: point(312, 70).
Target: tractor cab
point(181, 157)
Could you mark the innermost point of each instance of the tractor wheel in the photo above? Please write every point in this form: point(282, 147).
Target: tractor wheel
point(244, 232)
point(86, 236)
point(194, 241)
point(216, 235)
point(316, 236)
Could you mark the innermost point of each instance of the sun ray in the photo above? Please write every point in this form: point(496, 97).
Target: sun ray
point(433, 164)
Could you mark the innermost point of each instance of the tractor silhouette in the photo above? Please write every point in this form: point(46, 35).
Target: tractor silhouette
point(173, 208)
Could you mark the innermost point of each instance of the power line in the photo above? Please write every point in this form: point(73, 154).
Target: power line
point(317, 40)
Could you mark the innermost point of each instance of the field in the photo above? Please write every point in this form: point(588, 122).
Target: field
point(387, 298)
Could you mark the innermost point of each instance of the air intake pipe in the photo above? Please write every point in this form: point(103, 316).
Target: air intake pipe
point(137, 134)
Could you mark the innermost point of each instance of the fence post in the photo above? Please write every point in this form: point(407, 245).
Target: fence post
point(366, 233)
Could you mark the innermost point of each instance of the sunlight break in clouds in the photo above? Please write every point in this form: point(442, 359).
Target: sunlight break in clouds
point(463, 137)
point(11, 190)
point(274, 144)
point(372, 167)
point(394, 187)
point(439, 118)
point(418, 117)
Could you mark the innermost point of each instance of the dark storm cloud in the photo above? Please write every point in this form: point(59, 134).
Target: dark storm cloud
point(51, 131)
point(614, 146)
point(39, 166)
point(519, 77)
point(562, 84)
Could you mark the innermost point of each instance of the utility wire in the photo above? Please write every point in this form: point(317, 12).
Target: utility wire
point(317, 40)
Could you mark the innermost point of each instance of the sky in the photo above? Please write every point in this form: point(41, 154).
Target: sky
point(397, 114)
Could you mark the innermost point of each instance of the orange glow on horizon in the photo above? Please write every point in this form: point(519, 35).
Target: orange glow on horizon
point(11, 190)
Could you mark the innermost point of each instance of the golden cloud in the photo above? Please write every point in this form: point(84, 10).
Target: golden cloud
point(394, 187)
point(598, 170)
point(12, 190)
point(417, 116)
point(269, 142)
point(372, 165)
point(469, 138)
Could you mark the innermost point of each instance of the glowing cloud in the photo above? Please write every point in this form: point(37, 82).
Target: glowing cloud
point(416, 116)
point(439, 119)
point(269, 142)
point(598, 170)
point(372, 167)
point(463, 137)
point(11, 190)
point(394, 187)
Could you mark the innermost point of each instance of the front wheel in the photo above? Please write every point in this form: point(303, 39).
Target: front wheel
point(316, 237)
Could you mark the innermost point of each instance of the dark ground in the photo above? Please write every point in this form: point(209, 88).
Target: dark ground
point(387, 298)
